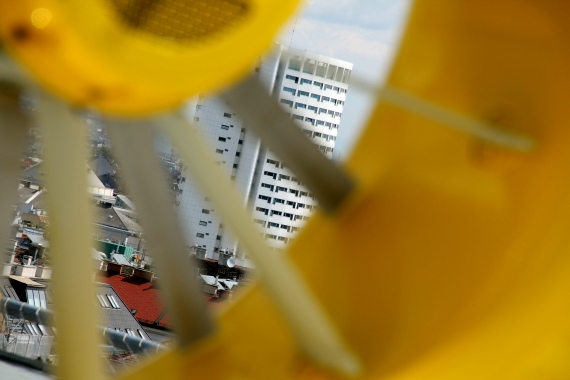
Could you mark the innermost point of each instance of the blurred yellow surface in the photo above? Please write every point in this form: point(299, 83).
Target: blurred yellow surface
point(451, 261)
point(138, 57)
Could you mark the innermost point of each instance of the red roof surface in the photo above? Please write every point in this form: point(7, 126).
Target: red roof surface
point(139, 294)
point(142, 295)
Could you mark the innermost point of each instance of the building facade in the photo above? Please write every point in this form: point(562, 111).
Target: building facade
point(312, 89)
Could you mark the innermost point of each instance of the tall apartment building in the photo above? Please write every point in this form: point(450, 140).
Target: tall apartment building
point(312, 89)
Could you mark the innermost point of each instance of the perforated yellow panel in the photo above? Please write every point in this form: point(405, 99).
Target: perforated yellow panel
point(185, 21)
point(129, 57)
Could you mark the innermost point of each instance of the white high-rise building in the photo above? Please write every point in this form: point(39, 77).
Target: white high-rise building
point(312, 88)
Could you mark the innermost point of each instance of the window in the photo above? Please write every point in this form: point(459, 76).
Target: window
point(204, 211)
point(315, 96)
point(339, 74)
point(202, 223)
point(321, 69)
point(238, 154)
point(298, 117)
point(302, 93)
point(290, 90)
point(264, 198)
point(331, 72)
point(270, 237)
point(240, 142)
point(296, 192)
point(288, 102)
point(313, 108)
point(328, 125)
point(290, 203)
point(293, 78)
point(320, 122)
point(309, 66)
point(283, 239)
point(235, 166)
point(263, 210)
point(113, 301)
point(328, 87)
point(271, 224)
point(279, 188)
point(306, 81)
point(220, 151)
point(141, 334)
point(199, 235)
point(346, 77)
point(318, 134)
point(308, 133)
point(103, 301)
point(326, 99)
point(322, 110)
point(331, 113)
point(295, 63)
point(278, 213)
point(276, 163)
point(300, 105)
point(284, 226)
point(295, 229)
point(227, 115)
point(300, 205)
point(277, 200)
point(225, 127)
point(283, 176)
point(318, 84)
point(222, 139)
point(268, 186)
point(271, 174)
point(218, 237)
point(312, 121)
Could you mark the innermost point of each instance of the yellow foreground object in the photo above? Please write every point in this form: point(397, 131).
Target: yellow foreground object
point(136, 57)
point(452, 260)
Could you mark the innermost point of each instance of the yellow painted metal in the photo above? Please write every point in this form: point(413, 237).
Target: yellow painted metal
point(451, 260)
point(65, 153)
point(138, 57)
point(313, 331)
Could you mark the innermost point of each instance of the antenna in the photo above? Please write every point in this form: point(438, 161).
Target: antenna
point(293, 32)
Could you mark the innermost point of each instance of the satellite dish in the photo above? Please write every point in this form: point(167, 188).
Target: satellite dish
point(231, 262)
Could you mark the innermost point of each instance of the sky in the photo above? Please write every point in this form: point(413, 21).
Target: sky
point(363, 32)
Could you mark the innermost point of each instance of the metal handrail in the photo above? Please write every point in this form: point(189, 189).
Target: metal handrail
point(46, 317)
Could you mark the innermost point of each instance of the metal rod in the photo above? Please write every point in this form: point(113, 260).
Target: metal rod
point(483, 130)
point(260, 112)
point(311, 326)
point(145, 179)
point(14, 125)
point(65, 153)
point(46, 317)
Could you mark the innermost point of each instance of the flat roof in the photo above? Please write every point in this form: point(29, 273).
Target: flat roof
point(26, 280)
